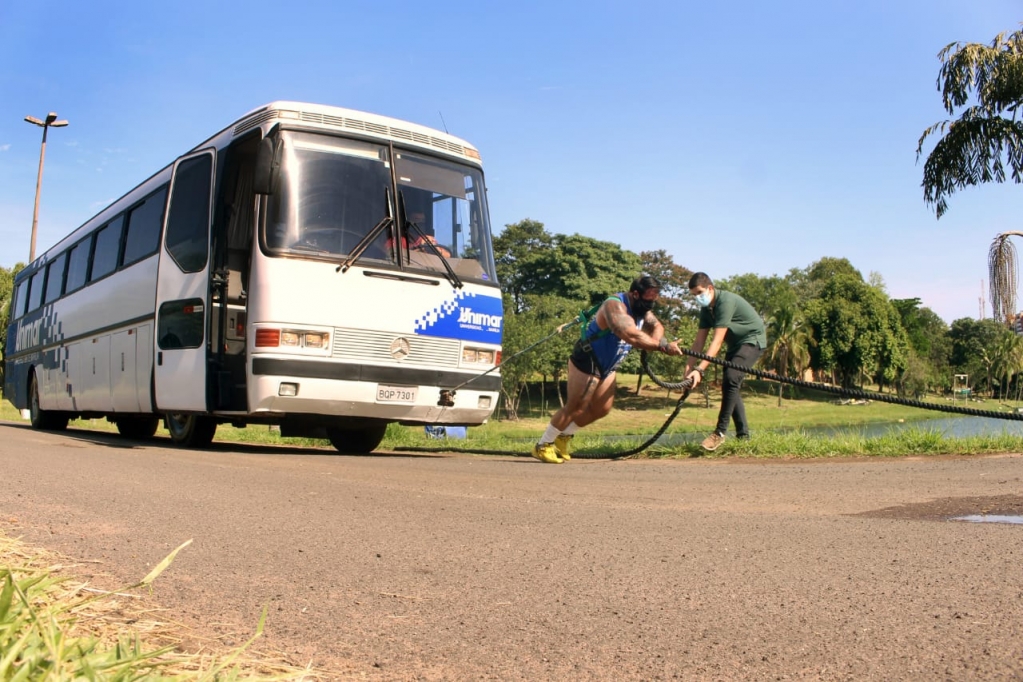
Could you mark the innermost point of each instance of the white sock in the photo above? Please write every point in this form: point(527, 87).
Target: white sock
point(549, 435)
point(570, 429)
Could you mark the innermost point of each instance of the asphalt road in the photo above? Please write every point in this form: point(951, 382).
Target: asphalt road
point(464, 567)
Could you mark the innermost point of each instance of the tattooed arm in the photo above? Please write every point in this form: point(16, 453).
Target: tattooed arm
point(653, 327)
point(614, 316)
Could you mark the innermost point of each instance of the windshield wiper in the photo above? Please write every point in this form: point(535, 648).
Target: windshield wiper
point(364, 243)
point(452, 277)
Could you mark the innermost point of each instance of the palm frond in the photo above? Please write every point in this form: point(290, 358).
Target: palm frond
point(975, 149)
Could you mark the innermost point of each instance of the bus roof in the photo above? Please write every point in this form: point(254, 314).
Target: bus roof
point(364, 123)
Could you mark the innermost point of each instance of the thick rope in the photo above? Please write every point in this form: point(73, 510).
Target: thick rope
point(857, 393)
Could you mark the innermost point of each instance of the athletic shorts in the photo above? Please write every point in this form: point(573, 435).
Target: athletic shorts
point(586, 363)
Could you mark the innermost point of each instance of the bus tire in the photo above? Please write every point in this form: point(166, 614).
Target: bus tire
point(357, 441)
point(43, 420)
point(190, 430)
point(138, 428)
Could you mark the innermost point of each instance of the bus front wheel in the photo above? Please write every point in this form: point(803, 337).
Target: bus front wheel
point(43, 420)
point(357, 441)
point(190, 430)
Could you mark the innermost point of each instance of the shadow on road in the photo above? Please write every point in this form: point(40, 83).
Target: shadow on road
point(115, 440)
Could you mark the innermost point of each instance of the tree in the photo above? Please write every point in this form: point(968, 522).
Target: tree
point(857, 330)
point(539, 318)
point(976, 147)
point(6, 291)
point(673, 303)
point(789, 342)
point(767, 295)
point(807, 283)
point(532, 262)
point(583, 269)
point(517, 251)
point(973, 347)
point(929, 339)
point(1007, 359)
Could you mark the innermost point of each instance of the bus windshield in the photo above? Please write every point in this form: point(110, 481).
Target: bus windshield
point(333, 191)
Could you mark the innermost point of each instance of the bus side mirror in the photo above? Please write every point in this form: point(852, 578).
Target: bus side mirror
point(268, 166)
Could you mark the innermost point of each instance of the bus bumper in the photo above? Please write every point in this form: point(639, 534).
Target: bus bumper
point(284, 395)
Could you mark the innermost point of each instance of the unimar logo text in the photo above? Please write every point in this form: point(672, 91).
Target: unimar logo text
point(479, 320)
point(28, 335)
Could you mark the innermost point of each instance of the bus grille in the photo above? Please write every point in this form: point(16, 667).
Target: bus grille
point(361, 345)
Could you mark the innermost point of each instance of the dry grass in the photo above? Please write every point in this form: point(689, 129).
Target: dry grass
point(54, 626)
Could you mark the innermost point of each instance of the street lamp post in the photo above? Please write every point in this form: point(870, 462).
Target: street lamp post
point(51, 120)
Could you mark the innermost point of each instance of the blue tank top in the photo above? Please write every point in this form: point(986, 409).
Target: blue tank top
point(608, 349)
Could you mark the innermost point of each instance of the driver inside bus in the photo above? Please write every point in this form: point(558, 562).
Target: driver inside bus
point(416, 202)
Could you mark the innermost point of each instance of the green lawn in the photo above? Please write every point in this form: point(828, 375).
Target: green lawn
point(777, 429)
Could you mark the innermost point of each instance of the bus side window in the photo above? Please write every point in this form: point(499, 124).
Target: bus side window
point(188, 218)
point(180, 324)
point(20, 298)
point(35, 290)
point(55, 278)
point(78, 265)
point(144, 223)
point(108, 244)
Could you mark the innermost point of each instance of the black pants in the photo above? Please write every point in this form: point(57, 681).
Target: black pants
point(731, 398)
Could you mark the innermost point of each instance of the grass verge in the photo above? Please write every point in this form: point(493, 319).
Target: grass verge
point(778, 428)
point(55, 627)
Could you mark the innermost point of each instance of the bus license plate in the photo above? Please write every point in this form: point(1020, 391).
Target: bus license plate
point(396, 394)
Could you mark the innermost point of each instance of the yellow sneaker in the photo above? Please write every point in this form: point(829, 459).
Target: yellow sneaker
point(562, 443)
point(547, 453)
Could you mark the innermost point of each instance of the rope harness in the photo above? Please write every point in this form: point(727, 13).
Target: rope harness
point(685, 386)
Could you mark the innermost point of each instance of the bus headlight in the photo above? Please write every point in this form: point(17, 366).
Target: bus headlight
point(294, 340)
point(315, 340)
point(479, 356)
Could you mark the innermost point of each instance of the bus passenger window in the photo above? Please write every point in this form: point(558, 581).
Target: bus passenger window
point(20, 298)
point(144, 223)
point(35, 291)
point(55, 278)
point(78, 265)
point(108, 243)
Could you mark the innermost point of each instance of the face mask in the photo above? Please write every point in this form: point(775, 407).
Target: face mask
point(703, 299)
point(640, 307)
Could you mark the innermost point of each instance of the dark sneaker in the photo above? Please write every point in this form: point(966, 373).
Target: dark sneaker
point(712, 442)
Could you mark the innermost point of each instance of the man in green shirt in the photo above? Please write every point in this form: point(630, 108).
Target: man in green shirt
point(738, 325)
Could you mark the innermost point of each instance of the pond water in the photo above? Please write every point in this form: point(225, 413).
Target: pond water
point(952, 427)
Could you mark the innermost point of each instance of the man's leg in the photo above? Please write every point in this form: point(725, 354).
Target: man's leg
point(602, 396)
point(731, 395)
point(600, 404)
point(580, 392)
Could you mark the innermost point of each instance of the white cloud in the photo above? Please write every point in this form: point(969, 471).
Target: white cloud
point(4, 147)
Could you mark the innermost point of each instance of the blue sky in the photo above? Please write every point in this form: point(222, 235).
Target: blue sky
point(739, 137)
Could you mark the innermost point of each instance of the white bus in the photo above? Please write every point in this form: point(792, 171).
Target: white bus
point(323, 269)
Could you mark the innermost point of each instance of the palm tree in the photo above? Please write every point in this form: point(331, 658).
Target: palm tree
point(788, 349)
point(976, 147)
point(1008, 359)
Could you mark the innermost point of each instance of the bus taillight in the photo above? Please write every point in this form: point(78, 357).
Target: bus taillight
point(268, 338)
